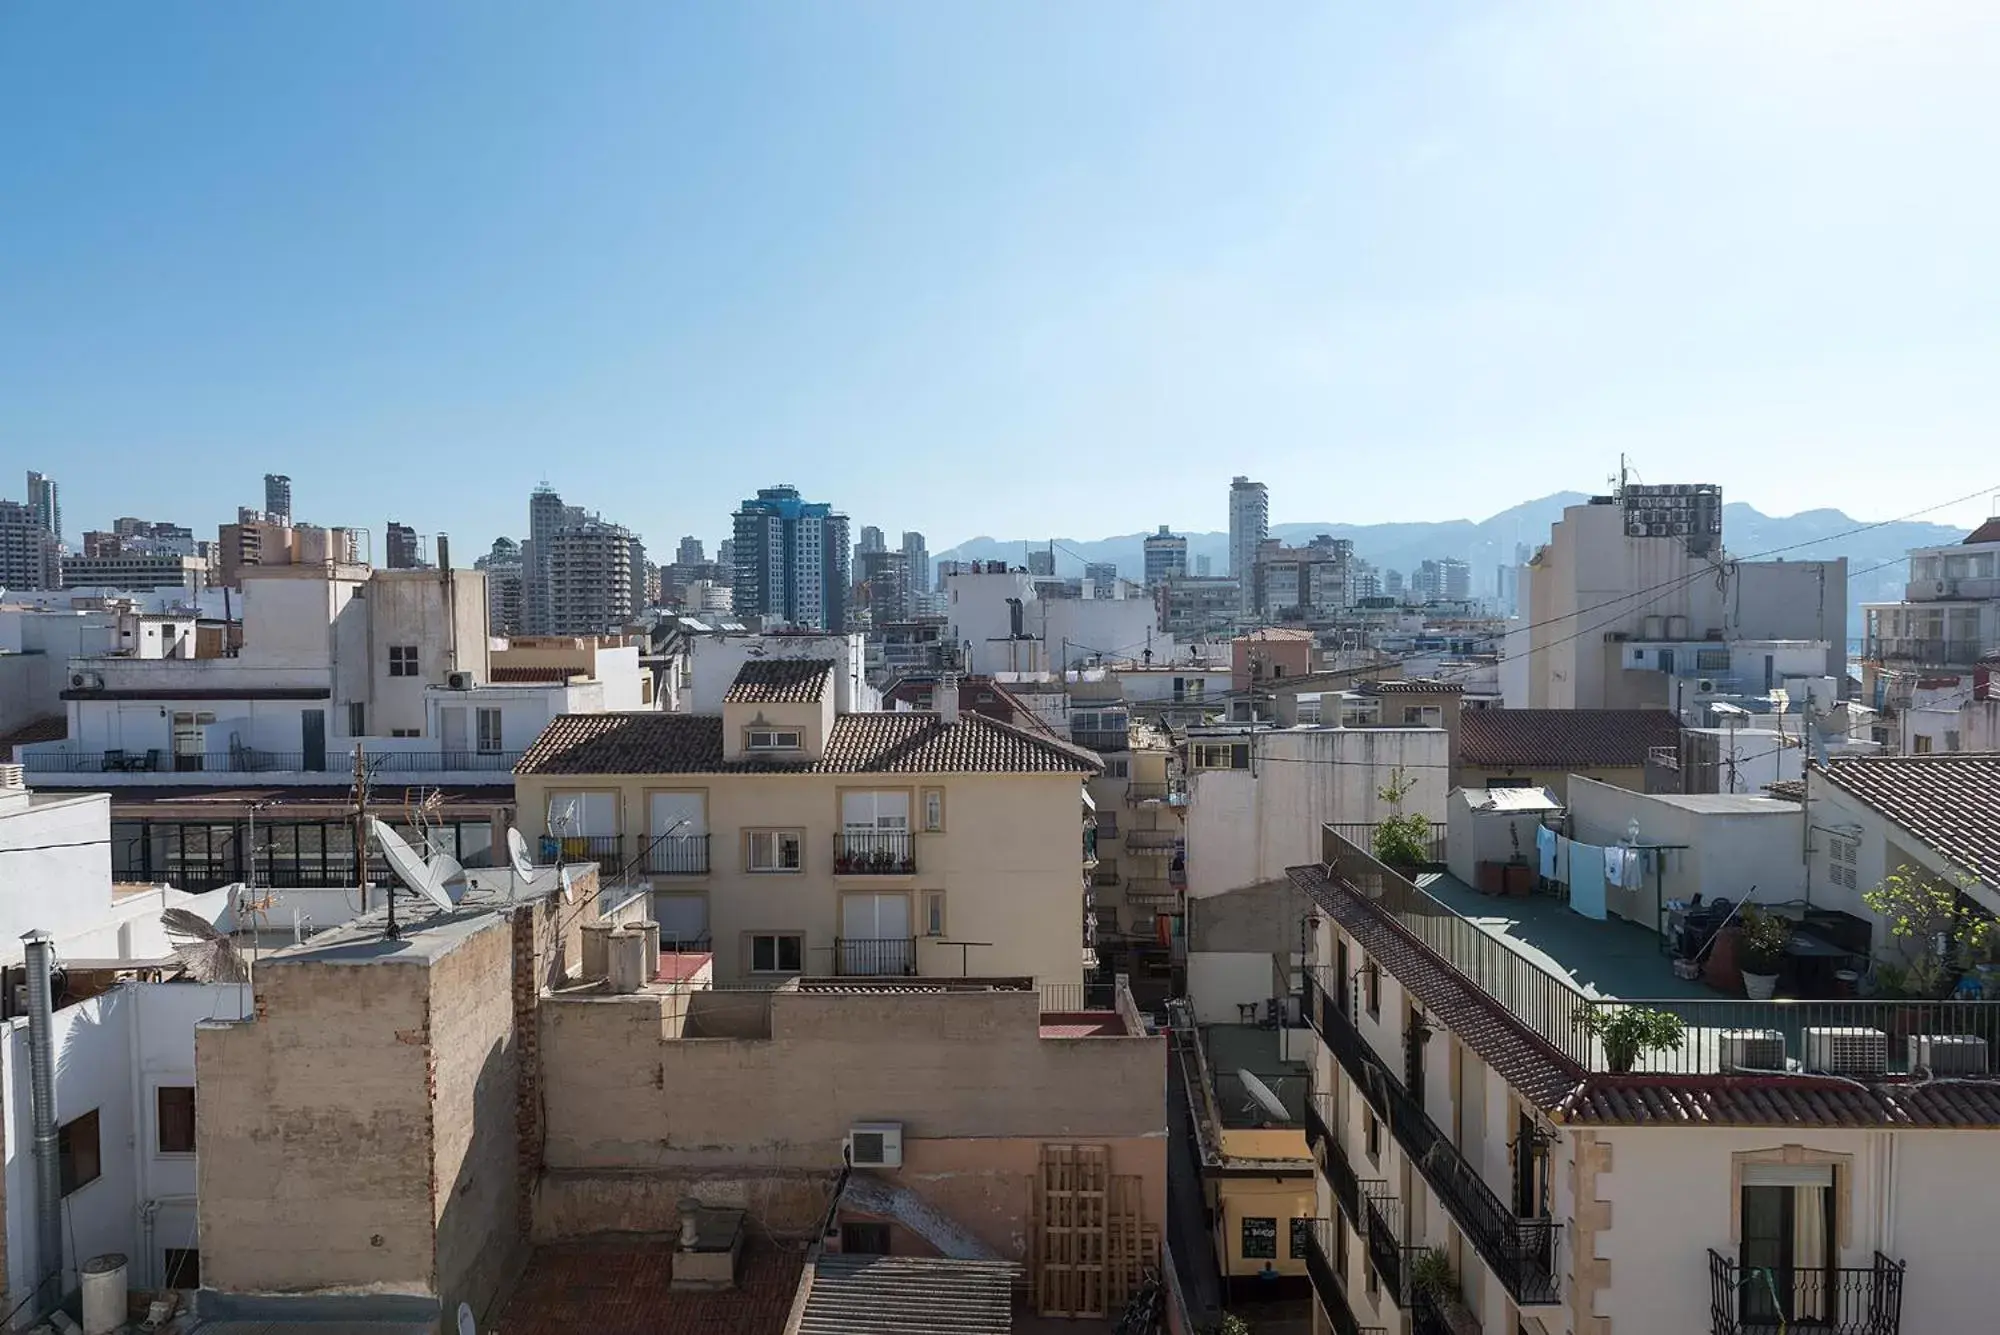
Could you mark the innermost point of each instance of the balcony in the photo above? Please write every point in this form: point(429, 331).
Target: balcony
point(1101, 739)
point(859, 956)
point(1924, 652)
point(606, 850)
point(1322, 1265)
point(433, 762)
point(678, 855)
point(1381, 1215)
point(1520, 1251)
point(1151, 841)
point(1138, 793)
point(1325, 1149)
point(1362, 836)
point(874, 853)
point(1844, 1301)
point(256, 760)
point(1152, 892)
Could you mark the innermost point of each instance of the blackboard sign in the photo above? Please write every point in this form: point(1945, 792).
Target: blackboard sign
point(1302, 1232)
point(1260, 1238)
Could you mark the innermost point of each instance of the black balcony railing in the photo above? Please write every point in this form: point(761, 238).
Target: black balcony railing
point(1329, 1286)
point(678, 855)
point(1102, 739)
point(432, 762)
point(243, 760)
point(1427, 1315)
point(874, 853)
point(606, 850)
point(1381, 1215)
point(1824, 1300)
point(1918, 650)
point(863, 956)
point(1324, 1145)
point(1520, 1251)
point(1145, 792)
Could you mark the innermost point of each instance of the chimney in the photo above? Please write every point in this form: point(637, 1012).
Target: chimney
point(947, 699)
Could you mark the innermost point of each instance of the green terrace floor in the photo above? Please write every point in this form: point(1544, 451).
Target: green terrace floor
point(1609, 959)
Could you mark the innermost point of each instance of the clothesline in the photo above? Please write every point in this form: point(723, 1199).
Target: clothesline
point(1590, 869)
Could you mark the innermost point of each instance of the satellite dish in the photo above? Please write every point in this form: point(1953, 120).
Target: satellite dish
point(448, 876)
point(466, 1325)
point(205, 953)
point(1261, 1095)
point(570, 876)
point(517, 852)
point(409, 868)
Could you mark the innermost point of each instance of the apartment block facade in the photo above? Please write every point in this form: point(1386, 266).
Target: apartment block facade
point(792, 560)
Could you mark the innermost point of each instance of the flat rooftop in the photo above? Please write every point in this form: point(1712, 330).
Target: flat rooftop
point(1610, 959)
point(1234, 1048)
point(426, 933)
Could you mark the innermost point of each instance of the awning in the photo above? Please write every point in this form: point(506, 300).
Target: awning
point(1089, 803)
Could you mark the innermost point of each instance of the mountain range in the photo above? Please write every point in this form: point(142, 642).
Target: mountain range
point(1876, 568)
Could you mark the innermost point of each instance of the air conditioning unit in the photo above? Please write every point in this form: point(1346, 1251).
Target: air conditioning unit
point(1845, 1051)
point(875, 1145)
point(458, 681)
point(1948, 1054)
point(86, 681)
point(1705, 685)
point(1939, 588)
point(1752, 1049)
point(1637, 528)
point(1679, 526)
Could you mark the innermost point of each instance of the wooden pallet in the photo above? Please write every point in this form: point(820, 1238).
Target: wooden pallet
point(1071, 1210)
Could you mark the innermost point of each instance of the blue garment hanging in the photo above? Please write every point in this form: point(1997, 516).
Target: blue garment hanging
point(1545, 849)
point(1586, 880)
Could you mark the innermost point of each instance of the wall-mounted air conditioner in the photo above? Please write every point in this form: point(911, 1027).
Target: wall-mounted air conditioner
point(1705, 685)
point(1752, 1049)
point(1948, 1054)
point(1845, 1051)
point(86, 681)
point(458, 681)
point(875, 1145)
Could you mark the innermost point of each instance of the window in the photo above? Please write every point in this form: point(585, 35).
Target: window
point(773, 739)
point(1221, 755)
point(1117, 769)
point(1371, 989)
point(933, 913)
point(402, 660)
point(934, 810)
point(1789, 1229)
point(1843, 854)
point(1951, 739)
point(1426, 716)
point(773, 850)
point(175, 1104)
point(357, 719)
point(1711, 660)
point(78, 1163)
point(1260, 1237)
point(406, 732)
point(489, 731)
point(1301, 1241)
point(1107, 825)
point(1370, 1278)
point(182, 1267)
point(777, 952)
point(1374, 1134)
point(1920, 746)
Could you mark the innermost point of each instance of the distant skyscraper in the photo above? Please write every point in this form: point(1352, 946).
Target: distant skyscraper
point(886, 577)
point(644, 575)
point(689, 553)
point(1392, 584)
point(30, 557)
point(725, 556)
point(401, 541)
point(1103, 577)
point(1249, 525)
point(43, 503)
point(1042, 562)
point(919, 557)
point(545, 516)
point(503, 586)
point(1454, 580)
point(278, 498)
point(791, 560)
point(1203, 565)
point(1166, 557)
point(590, 566)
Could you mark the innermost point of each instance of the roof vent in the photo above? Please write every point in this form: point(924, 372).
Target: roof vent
point(14, 777)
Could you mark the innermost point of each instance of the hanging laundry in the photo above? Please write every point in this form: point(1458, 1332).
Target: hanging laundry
point(1635, 868)
point(1586, 880)
point(1614, 865)
point(1545, 851)
point(1563, 847)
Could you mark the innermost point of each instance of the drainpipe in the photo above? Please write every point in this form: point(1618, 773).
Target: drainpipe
point(39, 949)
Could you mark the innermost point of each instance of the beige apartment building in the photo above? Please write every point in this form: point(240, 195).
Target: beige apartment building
point(787, 838)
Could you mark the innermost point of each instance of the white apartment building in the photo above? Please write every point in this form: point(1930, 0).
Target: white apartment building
point(1614, 579)
point(1249, 526)
point(136, 570)
point(38, 642)
point(1000, 624)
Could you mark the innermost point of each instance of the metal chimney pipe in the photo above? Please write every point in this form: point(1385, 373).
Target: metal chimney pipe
point(39, 949)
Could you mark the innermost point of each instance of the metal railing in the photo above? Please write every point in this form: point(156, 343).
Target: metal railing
point(1520, 1251)
point(415, 762)
point(866, 956)
point(1863, 1300)
point(1146, 792)
point(256, 760)
point(1426, 1314)
point(606, 850)
point(1151, 841)
point(1078, 998)
point(1916, 649)
point(1102, 739)
point(874, 853)
point(1323, 1268)
point(678, 855)
point(1381, 1215)
point(1361, 835)
point(1324, 1145)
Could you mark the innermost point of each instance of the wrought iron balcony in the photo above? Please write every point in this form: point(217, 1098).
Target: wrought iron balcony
point(874, 853)
point(606, 850)
point(1323, 1267)
point(1520, 1251)
point(1145, 792)
point(1381, 1215)
point(855, 956)
point(1325, 1149)
point(1861, 1300)
point(678, 855)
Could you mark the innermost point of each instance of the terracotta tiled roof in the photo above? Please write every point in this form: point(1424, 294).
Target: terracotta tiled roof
point(1986, 532)
point(1947, 801)
point(781, 681)
point(1412, 686)
point(1547, 738)
point(1767, 1101)
point(504, 676)
point(625, 1288)
point(1788, 790)
point(904, 742)
point(53, 728)
point(1519, 1056)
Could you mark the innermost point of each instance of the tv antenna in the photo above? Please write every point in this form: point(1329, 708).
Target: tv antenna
point(427, 879)
point(205, 953)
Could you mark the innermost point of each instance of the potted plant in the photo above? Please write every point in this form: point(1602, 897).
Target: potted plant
point(1403, 841)
point(1938, 932)
point(1760, 947)
point(1628, 1031)
point(1431, 1275)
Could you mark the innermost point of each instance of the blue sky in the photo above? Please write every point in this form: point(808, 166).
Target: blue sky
point(1009, 269)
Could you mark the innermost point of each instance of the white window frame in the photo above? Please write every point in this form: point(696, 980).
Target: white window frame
point(772, 844)
point(773, 739)
point(933, 803)
point(934, 914)
point(489, 744)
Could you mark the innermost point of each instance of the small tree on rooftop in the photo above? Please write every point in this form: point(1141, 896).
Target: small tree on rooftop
point(1937, 930)
point(1401, 839)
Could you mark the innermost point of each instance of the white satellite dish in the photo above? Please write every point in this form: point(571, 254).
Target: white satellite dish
point(1260, 1094)
point(466, 1325)
point(570, 875)
point(517, 852)
point(448, 876)
point(409, 868)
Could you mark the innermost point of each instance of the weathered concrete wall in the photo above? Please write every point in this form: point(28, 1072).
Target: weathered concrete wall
point(314, 1134)
point(475, 1132)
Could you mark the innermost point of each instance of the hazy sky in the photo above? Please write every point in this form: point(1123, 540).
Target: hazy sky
point(1006, 268)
